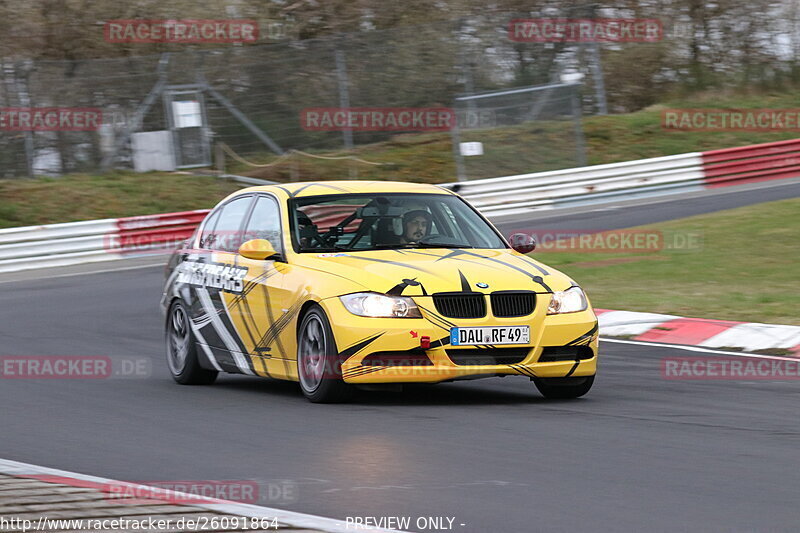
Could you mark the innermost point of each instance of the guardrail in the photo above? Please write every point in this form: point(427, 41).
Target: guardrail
point(116, 238)
point(681, 173)
point(747, 164)
point(94, 240)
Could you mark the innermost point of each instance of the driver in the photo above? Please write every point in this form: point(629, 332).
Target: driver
point(416, 225)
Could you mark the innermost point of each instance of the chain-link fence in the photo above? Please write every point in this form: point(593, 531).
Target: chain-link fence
point(253, 97)
point(517, 131)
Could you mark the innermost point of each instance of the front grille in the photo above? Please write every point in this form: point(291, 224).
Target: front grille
point(488, 356)
point(513, 303)
point(460, 304)
point(565, 353)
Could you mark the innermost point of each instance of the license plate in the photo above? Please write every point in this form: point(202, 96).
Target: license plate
point(495, 335)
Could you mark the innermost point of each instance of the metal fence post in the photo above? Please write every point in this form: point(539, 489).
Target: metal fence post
point(576, 114)
point(344, 103)
point(18, 85)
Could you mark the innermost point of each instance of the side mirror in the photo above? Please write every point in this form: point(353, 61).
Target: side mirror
point(522, 242)
point(258, 250)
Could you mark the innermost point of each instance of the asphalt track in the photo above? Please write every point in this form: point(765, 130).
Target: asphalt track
point(638, 453)
point(626, 214)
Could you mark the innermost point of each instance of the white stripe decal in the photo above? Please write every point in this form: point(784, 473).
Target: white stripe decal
point(222, 331)
point(206, 349)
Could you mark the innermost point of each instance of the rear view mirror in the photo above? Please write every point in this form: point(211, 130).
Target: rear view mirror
point(258, 250)
point(522, 242)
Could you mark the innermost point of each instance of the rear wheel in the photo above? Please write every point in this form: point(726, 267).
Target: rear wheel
point(564, 388)
point(318, 364)
point(182, 356)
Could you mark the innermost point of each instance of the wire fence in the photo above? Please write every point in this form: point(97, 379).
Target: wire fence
point(255, 95)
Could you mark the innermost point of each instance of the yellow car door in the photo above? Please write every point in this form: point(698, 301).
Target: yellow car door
point(261, 311)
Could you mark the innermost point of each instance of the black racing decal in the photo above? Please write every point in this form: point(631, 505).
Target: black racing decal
point(573, 369)
point(396, 263)
point(464, 283)
point(357, 347)
point(329, 186)
point(220, 276)
point(538, 279)
point(304, 187)
point(523, 370)
point(301, 189)
point(584, 339)
point(437, 320)
point(227, 325)
point(250, 285)
point(444, 341)
point(398, 289)
point(241, 300)
point(363, 371)
point(531, 262)
point(413, 251)
point(277, 326)
point(225, 359)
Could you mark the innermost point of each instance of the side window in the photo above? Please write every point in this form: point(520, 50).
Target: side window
point(207, 237)
point(226, 236)
point(265, 223)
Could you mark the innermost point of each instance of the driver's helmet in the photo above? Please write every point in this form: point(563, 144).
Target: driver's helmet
point(412, 208)
point(408, 216)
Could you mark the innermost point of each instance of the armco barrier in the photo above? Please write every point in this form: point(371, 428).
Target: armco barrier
point(102, 240)
point(760, 162)
point(682, 173)
point(94, 240)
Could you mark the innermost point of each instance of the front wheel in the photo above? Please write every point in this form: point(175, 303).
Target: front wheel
point(318, 364)
point(182, 356)
point(564, 388)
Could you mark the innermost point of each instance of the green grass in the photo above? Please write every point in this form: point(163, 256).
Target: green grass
point(533, 147)
point(25, 202)
point(426, 157)
point(745, 268)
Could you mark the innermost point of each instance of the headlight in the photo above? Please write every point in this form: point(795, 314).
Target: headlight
point(376, 305)
point(571, 300)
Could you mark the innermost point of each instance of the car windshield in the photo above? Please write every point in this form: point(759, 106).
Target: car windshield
point(377, 221)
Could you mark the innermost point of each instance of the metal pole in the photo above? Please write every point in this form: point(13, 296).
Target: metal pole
point(255, 130)
point(599, 81)
point(15, 84)
point(344, 103)
point(140, 112)
point(461, 171)
point(576, 114)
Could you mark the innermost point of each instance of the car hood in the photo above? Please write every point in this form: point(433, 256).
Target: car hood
point(426, 271)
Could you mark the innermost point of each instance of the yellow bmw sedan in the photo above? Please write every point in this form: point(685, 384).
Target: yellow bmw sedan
point(340, 284)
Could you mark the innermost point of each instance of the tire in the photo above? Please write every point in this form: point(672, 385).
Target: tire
point(318, 365)
point(563, 388)
point(182, 358)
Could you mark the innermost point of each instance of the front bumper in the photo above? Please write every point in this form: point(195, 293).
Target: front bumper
point(366, 345)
